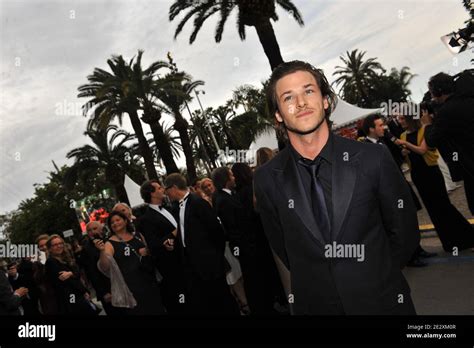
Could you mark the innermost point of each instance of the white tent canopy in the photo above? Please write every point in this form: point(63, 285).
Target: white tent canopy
point(133, 192)
point(343, 115)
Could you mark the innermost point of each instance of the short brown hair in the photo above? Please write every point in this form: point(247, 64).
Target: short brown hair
point(296, 65)
point(177, 180)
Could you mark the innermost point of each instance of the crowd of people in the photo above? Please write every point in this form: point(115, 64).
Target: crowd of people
point(220, 263)
point(200, 249)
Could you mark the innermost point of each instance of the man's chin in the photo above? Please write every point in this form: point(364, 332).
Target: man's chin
point(306, 130)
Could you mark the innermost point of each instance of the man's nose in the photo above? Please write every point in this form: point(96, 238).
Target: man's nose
point(300, 100)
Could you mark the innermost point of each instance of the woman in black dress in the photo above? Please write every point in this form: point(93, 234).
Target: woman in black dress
point(453, 229)
point(135, 265)
point(71, 295)
point(261, 280)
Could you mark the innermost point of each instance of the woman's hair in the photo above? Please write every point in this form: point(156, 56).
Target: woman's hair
point(128, 227)
point(412, 122)
point(65, 256)
point(243, 175)
point(264, 154)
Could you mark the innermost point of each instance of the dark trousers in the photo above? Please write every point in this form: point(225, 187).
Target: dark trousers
point(452, 228)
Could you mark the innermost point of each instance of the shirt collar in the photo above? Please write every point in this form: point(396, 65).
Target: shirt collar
point(372, 139)
point(326, 151)
point(184, 198)
point(227, 190)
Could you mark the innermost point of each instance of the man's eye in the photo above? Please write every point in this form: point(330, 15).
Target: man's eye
point(287, 98)
point(309, 91)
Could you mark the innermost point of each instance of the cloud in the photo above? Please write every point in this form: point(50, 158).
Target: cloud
point(49, 48)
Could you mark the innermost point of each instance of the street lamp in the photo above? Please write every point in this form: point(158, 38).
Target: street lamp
point(206, 120)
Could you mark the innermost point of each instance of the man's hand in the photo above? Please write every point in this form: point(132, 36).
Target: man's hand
point(64, 275)
point(169, 244)
point(21, 292)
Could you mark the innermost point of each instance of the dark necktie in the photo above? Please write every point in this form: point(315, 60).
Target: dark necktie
point(317, 198)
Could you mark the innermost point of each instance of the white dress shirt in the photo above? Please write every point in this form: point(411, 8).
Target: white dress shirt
point(182, 209)
point(165, 213)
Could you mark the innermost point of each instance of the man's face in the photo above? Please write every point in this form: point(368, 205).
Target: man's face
point(231, 182)
point(159, 192)
point(300, 103)
point(94, 229)
point(379, 130)
point(208, 187)
point(172, 193)
point(42, 245)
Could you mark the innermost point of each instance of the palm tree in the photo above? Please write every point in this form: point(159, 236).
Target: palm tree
point(172, 142)
point(147, 81)
point(356, 77)
point(223, 116)
point(114, 94)
point(110, 156)
point(403, 78)
point(174, 99)
point(251, 13)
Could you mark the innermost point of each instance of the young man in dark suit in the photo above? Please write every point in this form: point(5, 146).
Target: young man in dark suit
point(159, 227)
point(201, 243)
point(338, 213)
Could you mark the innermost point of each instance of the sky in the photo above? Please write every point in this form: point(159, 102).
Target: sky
point(48, 48)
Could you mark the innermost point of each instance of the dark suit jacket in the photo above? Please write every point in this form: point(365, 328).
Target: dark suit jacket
point(453, 127)
point(9, 303)
point(156, 229)
point(204, 239)
point(229, 210)
point(367, 188)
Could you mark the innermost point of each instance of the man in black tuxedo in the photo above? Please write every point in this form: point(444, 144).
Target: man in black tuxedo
point(337, 212)
point(201, 243)
point(159, 227)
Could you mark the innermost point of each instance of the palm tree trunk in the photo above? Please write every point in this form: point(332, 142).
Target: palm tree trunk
point(121, 193)
point(164, 149)
point(145, 150)
point(181, 127)
point(267, 38)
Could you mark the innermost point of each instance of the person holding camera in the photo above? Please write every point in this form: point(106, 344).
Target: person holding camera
point(10, 301)
point(453, 124)
point(88, 258)
point(453, 229)
point(124, 256)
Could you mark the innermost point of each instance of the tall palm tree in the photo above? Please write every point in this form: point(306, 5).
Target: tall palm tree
point(356, 77)
point(171, 140)
point(109, 155)
point(222, 116)
point(251, 13)
point(146, 82)
point(174, 104)
point(403, 78)
point(114, 94)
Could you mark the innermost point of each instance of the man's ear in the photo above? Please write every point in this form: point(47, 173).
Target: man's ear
point(325, 103)
point(278, 117)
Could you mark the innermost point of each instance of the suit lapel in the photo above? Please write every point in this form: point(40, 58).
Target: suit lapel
point(288, 179)
point(344, 175)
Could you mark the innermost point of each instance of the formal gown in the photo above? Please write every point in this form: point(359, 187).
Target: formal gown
point(141, 282)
